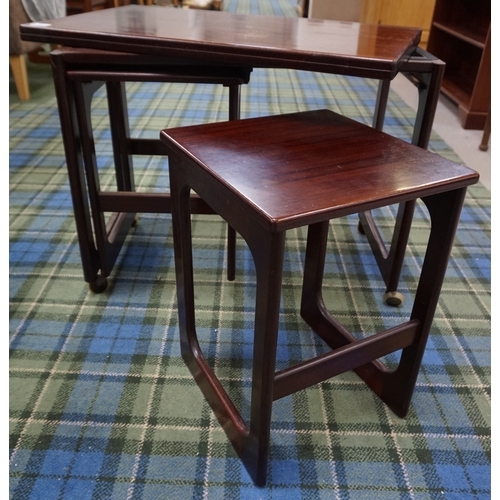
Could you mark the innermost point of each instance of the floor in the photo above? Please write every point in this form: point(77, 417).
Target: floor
point(465, 143)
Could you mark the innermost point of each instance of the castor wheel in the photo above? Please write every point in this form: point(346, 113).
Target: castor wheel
point(394, 299)
point(360, 228)
point(99, 285)
point(135, 221)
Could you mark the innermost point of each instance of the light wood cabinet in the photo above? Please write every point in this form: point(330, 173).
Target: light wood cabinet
point(414, 13)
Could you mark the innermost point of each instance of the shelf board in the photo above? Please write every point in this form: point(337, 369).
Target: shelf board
point(463, 33)
point(453, 87)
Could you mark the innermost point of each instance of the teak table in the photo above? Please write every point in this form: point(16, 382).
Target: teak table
point(221, 41)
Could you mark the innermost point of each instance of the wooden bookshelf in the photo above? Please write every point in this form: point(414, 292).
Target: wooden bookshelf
point(460, 36)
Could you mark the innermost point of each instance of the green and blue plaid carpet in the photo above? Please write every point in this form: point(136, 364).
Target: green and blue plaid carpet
point(101, 404)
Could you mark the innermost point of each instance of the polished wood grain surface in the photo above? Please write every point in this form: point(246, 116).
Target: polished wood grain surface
point(259, 41)
point(330, 155)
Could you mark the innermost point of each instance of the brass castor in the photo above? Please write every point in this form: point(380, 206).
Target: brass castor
point(394, 299)
point(360, 228)
point(135, 221)
point(99, 285)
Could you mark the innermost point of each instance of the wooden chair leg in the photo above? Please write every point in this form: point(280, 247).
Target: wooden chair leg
point(18, 66)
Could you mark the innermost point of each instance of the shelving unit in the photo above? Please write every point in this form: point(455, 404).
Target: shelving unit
point(460, 36)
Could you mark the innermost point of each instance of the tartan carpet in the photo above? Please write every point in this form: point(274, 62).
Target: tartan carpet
point(101, 404)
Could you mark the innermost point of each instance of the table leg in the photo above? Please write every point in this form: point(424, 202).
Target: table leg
point(234, 114)
point(390, 262)
point(109, 236)
point(429, 88)
point(267, 250)
point(120, 135)
point(394, 387)
point(426, 73)
point(65, 94)
point(251, 441)
point(381, 104)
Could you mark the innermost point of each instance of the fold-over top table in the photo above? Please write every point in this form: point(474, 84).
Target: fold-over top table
point(354, 49)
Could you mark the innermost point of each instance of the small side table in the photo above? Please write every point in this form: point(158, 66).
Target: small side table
point(78, 74)
point(267, 175)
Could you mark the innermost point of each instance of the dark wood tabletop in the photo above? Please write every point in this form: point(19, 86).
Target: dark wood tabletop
point(221, 37)
point(335, 160)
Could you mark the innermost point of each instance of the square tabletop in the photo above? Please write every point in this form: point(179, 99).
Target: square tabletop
point(312, 165)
